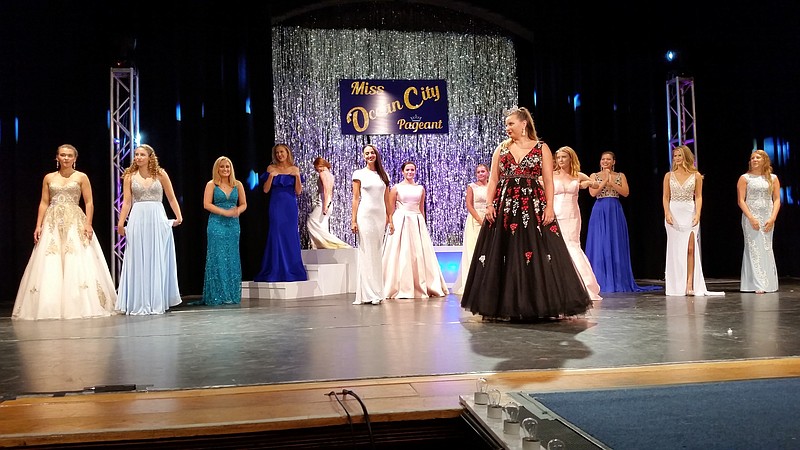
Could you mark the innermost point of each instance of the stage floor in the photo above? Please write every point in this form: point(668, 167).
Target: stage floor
point(327, 338)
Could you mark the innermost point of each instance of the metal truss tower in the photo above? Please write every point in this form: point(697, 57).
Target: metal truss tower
point(681, 123)
point(124, 132)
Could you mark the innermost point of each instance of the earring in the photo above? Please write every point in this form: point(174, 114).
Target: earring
point(58, 166)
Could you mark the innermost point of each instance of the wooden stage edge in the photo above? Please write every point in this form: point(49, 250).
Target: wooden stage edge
point(217, 411)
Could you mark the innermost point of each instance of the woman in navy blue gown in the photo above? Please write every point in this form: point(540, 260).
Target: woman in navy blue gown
point(282, 259)
point(224, 198)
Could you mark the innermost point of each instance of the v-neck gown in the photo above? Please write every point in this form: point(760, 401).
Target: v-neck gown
point(223, 277)
point(149, 279)
point(521, 268)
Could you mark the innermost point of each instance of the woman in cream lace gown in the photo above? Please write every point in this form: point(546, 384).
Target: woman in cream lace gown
point(760, 200)
point(319, 220)
point(67, 276)
point(476, 210)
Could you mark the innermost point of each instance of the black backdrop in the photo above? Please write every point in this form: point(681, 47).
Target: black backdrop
point(55, 58)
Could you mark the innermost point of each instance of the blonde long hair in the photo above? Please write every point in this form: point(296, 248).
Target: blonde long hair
point(688, 159)
point(522, 113)
point(215, 176)
point(574, 164)
point(766, 171)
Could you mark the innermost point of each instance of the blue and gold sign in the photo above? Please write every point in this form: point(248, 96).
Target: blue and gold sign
point(393, 106)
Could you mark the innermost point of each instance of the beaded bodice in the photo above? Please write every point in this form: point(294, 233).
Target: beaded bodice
point(759, 196)
point(607, 191)
point(681, 192)
point(69, 193)
point(141, 193)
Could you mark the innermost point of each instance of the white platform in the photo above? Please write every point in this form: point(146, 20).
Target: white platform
point(331, 272)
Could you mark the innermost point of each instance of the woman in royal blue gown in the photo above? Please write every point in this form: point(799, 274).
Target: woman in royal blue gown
point(224, 198)
point(607, 245)
point(282, 258)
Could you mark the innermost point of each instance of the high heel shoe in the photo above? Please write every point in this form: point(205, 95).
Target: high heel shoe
point(690, 293)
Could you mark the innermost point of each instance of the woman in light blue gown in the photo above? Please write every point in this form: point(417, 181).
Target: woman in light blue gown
point(760, 200)
point(224, 198)
point(149, 279)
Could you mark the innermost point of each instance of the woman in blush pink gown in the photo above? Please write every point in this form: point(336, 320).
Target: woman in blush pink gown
point(568, 180)
point(410, 267)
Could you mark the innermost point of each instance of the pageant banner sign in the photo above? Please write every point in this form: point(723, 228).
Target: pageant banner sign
point(393, 106)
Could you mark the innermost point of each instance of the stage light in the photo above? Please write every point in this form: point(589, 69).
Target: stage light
point(481, 394)
point(252, 179)
point(511, 424)
point(530, 438)
point(671, 55)
point(178, 112)
point(494, 410)
point(556, 444)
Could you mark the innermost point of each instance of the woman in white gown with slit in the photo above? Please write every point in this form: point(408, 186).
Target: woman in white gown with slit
point(683, 201)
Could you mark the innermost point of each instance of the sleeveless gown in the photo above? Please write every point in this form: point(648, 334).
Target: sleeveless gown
point(223, 277)
point(319, 224)
point(149, 278)
point(521, 269)
point(682, 208)
point(759, 272)
point(607, 244)
point(565, 204)
point(371, 219)
point(410, 266)
point(67, 276)
point(471, 229)
point(282, 256)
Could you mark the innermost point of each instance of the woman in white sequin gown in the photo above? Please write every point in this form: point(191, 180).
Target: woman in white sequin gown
point(683, 202)
point(67, 276)
point(760, 200)
point(410, 266)
point(568, 180)
point(476, 210)
point(319, 220)
point(149, 278)
point(369, 222)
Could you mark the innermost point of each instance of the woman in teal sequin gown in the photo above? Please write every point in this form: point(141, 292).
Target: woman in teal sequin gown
point(225, 200)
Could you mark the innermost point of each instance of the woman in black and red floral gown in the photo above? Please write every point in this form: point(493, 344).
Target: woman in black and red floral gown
point(521, 269)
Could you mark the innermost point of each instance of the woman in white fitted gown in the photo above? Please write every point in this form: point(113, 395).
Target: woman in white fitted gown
point(476, 210)
point(683, 202)
point(410, 266)
point(369, 222)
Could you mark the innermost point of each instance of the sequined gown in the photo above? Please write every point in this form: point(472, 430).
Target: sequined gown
point(283, 260)
point(319, 224)
point(67, 276)
point(565, 205)
point(682, 208)
point(759, 272)
point(223, 278)
point(371, 219)
point(410, 266)
point(521, 269)
point(471, 229)
point(149, 277)
point(607, 244)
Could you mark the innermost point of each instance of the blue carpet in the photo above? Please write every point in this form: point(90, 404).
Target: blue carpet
point(732, 415)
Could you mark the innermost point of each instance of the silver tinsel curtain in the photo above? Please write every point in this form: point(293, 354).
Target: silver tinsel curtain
point(480, 72)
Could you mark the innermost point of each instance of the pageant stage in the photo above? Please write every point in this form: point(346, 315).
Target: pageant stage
point(270, 363)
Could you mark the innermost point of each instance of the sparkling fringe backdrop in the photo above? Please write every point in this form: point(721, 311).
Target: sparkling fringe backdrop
point(480, 72)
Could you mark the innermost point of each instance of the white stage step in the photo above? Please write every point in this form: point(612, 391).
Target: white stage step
point(323, 279)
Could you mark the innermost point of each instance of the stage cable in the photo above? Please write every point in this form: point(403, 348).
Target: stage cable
point(346, 392)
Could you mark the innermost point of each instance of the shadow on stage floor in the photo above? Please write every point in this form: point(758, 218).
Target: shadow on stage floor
point(270, 342)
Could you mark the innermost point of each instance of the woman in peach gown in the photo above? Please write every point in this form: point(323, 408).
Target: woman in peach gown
point(410, 267)
point(568, 180)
